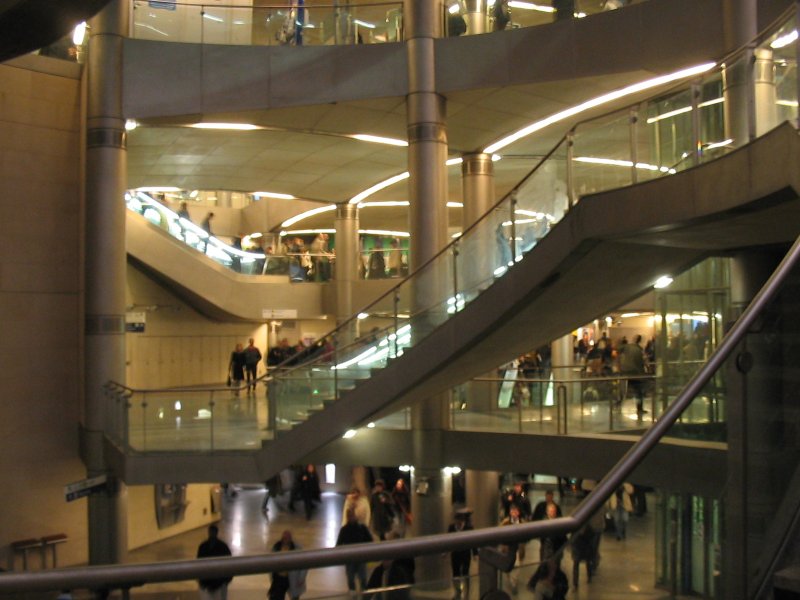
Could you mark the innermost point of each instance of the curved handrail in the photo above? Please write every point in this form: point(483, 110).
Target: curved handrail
point(129, 575)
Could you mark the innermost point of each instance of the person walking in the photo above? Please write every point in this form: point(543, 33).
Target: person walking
point(287, 582)
point(213, 589)
point(353, 532)
point(621, 506)
point(252, 356)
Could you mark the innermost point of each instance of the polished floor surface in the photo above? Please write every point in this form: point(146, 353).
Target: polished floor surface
point(626, 570)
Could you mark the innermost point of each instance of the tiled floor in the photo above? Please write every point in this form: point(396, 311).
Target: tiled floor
point(626, 570)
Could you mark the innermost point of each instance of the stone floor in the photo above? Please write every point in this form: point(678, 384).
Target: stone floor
point(626, 570)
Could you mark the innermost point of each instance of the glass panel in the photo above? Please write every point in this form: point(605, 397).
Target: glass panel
point(541, 202)
point(668, 125)
point(602, 154)
point(783, 47)
point(289, 25)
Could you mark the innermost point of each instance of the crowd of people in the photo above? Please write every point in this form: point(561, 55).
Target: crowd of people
point(384, 513)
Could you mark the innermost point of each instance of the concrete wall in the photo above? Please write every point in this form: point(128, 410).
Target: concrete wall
point(40, 303)
point(179, 346)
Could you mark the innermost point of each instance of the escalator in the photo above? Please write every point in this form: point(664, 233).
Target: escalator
point(222, 282)
point(610, 248)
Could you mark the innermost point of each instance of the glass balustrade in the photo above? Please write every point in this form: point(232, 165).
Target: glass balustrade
point(299, 23)
point(618, 145)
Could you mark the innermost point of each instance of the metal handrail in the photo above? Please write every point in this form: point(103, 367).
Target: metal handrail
point(123, 576)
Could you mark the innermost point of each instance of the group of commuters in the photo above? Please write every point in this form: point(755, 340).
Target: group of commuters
point(380, 263)
point(243, 365)
point(385, 513)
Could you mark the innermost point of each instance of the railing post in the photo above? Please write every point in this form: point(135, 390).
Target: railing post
point(211, 408)
point(455, 277)
point(697, 142)
point(144, 421)
point(396, 302)
point(561, 401)
point(335, 363)
point(570, 141)
point(513, 240)
point(126, 420)
point(633, 119)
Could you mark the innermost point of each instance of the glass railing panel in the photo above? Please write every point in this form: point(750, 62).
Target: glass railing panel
point(541, 201)
point(282, 24)
point(195, 420)
point(167, 21)
point(781, 50)
point(602, 158)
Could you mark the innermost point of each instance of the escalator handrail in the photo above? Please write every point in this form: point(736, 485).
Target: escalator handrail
point(127, 575)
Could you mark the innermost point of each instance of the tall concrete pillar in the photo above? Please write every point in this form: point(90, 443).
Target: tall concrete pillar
point(427, 155)
point(753, 401)
point(740, 27)
point(347, 257)
point(562, 360)
point(765, 92)
point(476, 17)
point(106, 178)
point(483, 497)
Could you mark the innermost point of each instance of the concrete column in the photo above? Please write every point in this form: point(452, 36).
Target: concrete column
point(740, 27)
point(476, 17)
point(427, 155)
point(483, 497)
point(346, 272)
point(753, 398)
point(106, 178)
point(562, 360)
point(765, 92)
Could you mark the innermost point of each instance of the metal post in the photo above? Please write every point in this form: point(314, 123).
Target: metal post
point(633, 119)
point(144, 421)
point(455, 277)
point(513, 240)
point(561, 399)
point(335, 365)
point(697, 142)
point(396, 301)
point(570, 141)
point(211, 406)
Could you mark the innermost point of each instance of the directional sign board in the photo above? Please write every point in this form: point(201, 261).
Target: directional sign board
point(83, 488)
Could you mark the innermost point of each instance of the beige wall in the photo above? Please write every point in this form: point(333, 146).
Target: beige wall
point(142, 525)
point(40, 303)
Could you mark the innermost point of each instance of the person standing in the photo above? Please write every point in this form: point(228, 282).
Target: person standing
point(283, 582)
point(401, 496)
point(309, 489)
point(631, 364)
point(358, 503)
point(382, 509)
point(252, 356)
point(460, 560)
point(236, 368)
point(213, 589)
point(206, 225)
point(353, 532)
point(621, 506)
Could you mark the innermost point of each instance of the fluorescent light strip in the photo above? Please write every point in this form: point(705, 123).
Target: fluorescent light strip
point(151, 28)
point(213, 18)
point(157, 189)
point(305, 231)
point(789, 103)
point(275, 195)
point(364, 23)
point(308, 213)
point(685, 109)
point(598, 101)
point(226, 126)
point(384, 232)
point(622, 163)
point(387, 203)
point(378, 187)
point(454, 161)
point(531, 6)
point(377, 139)
point(455, 205)
point(784, 40)
point(718, 144)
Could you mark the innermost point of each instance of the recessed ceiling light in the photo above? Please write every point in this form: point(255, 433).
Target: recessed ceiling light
point(226, 126)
